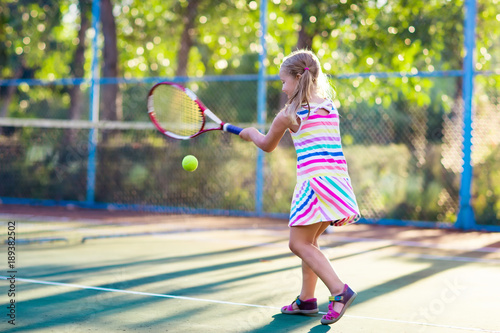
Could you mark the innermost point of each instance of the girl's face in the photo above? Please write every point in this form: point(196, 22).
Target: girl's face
point(289, 83)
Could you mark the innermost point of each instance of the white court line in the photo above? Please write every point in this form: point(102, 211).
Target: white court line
point(446, 258)
point(131, 292)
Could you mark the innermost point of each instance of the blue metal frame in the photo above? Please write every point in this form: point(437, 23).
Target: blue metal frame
point(135, 207)
point(261, 109)
point(465, 218)
point(94, 104)
point(225, 78)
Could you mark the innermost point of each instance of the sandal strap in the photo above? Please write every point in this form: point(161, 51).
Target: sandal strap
point(331, 315)
point(309, 304)
point(343, 297)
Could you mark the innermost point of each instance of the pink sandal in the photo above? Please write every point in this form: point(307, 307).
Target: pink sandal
point(346, 298)
point(309, 306)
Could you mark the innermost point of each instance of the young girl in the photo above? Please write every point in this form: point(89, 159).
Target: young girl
point(323, 194)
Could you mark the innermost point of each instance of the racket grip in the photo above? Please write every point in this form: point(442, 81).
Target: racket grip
point(232, 129)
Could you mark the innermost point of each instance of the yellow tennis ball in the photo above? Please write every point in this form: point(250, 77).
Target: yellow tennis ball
point(189, 163)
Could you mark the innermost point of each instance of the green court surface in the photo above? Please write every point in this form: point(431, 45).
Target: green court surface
point(118, 272)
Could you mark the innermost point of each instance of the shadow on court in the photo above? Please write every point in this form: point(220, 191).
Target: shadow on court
point(281, 321)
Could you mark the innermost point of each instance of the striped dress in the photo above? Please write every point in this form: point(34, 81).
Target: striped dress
point(323, 191)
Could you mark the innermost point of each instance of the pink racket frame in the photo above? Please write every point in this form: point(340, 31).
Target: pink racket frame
point(205, 112)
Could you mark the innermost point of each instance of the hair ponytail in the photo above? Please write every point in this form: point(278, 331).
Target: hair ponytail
point(305, 65)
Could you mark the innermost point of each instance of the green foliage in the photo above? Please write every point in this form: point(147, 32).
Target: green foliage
point(386, 179)
point(142, 173)
point(39, 164)
point(349, 36)
point(487, 188)
point(279, 178)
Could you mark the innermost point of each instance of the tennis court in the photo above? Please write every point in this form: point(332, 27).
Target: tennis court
point(113, 235)
point(99, 271)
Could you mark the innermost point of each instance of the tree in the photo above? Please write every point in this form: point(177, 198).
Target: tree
point(111, 106)
point(19, 29)
point(186, 42)
point(77, 65)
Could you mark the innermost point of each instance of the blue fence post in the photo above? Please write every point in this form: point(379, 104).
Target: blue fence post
point(465, 218)
point(94, 104)
point(261, 108)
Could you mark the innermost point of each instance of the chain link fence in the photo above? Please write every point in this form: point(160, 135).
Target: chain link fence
point(486, 150)
point(404, 159)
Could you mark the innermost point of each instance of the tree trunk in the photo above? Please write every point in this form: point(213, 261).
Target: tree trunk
point(110, 104)
point(304, 41)
point(77, 70)
point(186, 39)
point(11, 90)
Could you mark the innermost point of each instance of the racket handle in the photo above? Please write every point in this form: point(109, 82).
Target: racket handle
point(232, 129)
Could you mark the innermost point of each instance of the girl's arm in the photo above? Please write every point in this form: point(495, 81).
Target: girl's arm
point(269, 141)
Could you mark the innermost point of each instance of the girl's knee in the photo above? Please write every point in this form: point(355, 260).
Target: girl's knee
point(298, 247)
point(293, 247)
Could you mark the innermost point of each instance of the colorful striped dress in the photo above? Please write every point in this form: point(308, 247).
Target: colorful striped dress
point(323, 191)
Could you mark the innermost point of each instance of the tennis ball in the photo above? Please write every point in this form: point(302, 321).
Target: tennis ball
point(189, 163)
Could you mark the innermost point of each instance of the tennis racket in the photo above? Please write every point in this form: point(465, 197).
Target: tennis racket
point(177, 112)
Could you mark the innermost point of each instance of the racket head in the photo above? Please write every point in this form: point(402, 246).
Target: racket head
point(175, 110)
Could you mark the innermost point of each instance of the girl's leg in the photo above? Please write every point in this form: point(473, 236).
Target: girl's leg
point(309, 278)
point(302, 244)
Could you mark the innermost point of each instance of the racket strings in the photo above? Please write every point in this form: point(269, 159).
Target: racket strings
point(176, 112)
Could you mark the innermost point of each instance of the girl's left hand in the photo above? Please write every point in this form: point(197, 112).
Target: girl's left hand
point(246, 134)
point(269, 141)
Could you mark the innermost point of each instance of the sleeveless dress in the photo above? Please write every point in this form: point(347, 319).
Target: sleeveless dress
point(323, 191)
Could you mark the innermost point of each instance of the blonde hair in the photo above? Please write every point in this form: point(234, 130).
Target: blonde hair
point(305, 64)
